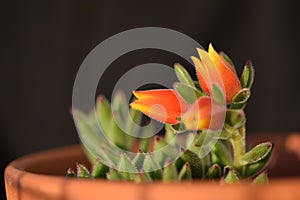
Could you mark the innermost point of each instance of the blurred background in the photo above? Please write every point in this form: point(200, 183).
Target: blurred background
point(43, 44)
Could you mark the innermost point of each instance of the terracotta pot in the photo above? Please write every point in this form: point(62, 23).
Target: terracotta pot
point(41, 176)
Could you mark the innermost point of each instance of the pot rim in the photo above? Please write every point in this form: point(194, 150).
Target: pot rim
point(18, 177)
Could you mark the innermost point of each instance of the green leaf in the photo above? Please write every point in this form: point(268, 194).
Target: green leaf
point(86, 132)
point(238, 106)
point(257, 153)
point(185, 172)
point(119, 105)
point(170, 173)
point(241, 97)
point(254, 168)
point(89, 137)
point(183, 75)
point(116, 135)
point(223, 153)
point(132, 127)
point(126, 168)
point(82, 171)
point(146, 138)
point(195, 163)
point(189, 94)
point(231, 177)
point(169, 133)
point(99, 170)
point(218, 95)
point(214, 172)
point(261, 179)
point(235, 118)
point(114, 175)
point(70, 173)
point(226, 57)
point(145, 144)
point(103, 113)
point(151, 167)
point(159, 155)
point(138, 160)
point(247, 77)
point(196, 141)
point(142, 177)
point(159, 143)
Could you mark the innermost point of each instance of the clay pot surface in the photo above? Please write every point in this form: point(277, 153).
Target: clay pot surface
point(42, 176)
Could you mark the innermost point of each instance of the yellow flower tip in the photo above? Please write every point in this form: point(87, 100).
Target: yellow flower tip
point(211, 49)
point(132, 104)
point(134, 93)
point(137, 105)
point(196, 61)
point(140, 94)
point(204, 56)
point(200, 50)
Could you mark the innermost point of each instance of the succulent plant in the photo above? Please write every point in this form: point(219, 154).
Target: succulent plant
point(192, 146)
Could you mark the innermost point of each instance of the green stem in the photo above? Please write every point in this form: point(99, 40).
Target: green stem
point(239, 146)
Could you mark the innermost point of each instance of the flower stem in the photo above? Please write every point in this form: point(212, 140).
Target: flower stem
point(239, 146)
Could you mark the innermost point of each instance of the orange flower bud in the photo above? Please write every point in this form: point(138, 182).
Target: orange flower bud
point(162, 105)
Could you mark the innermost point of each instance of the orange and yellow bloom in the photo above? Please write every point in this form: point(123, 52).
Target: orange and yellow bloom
point(163, 105)
point(169, 107)
point(230, 80)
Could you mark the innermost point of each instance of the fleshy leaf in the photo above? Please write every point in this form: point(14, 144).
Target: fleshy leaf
point(241, 97)
point(138, 160)
point(247, 77)
point(231, 177)
point(169, 133)
point(118, 106)
point(188, 93)
point(127, 169)
point(114, 175)
point(235, 118)
point(223, 153)
point(261, 179)
point(143, 177)
point(159, 155)
point(144, 144)
point(159, 143)
point(254, 168)
point(170, 173)
point(116, 135)
point(218, 95)
point(185, 172)
point(103, 113)
point(195, 163)
point(70, 173)
point(82, 171)
point(257, 153)
point(132, 127)
point(214, 171)
point(183, 75)
point(99, 170)
point(152, 167)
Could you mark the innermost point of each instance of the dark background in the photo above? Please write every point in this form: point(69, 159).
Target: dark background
point(43, 44)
